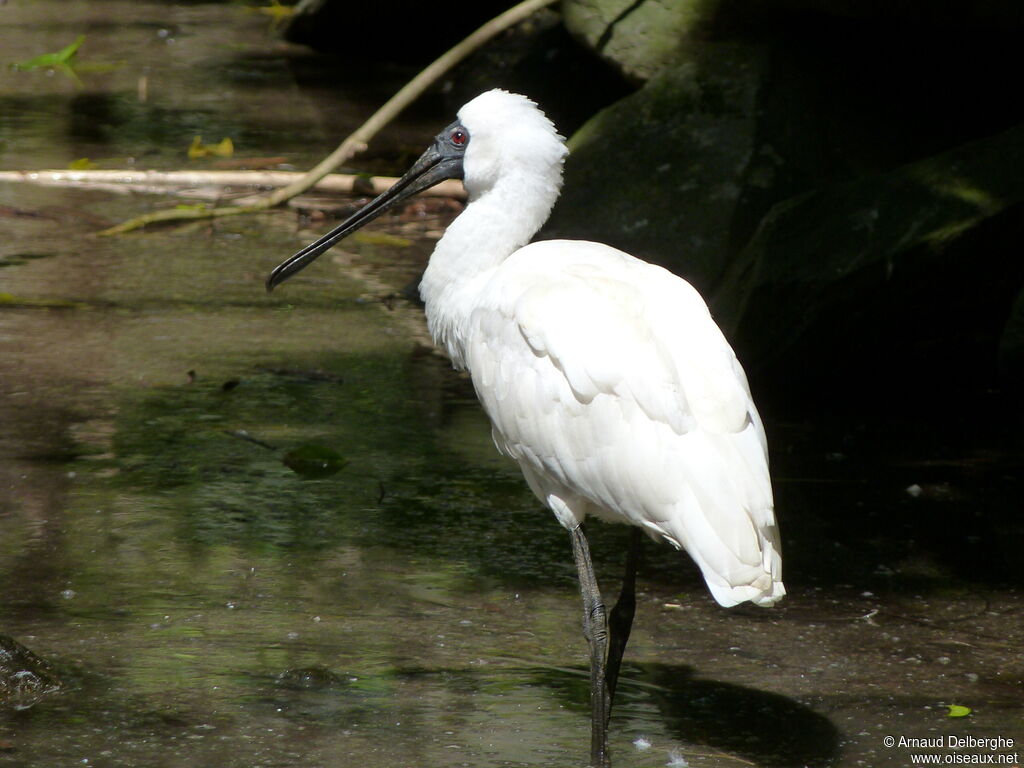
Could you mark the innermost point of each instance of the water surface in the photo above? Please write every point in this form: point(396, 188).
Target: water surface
point(203, 604)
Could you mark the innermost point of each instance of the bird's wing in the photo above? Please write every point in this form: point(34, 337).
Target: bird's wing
point(608, 380)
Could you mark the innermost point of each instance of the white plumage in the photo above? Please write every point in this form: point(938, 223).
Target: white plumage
point(604, 376)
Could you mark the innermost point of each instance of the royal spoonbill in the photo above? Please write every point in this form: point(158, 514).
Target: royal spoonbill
point(604, 376)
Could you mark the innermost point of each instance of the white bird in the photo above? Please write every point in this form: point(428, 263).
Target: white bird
point(604, 376)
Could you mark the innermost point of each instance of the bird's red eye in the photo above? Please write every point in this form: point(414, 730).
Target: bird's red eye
point(459, 137)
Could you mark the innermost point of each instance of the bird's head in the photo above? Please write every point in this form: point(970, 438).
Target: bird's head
point(498, 135)
point(509, 137)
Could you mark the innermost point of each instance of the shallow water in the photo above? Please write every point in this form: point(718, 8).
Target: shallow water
point(203, 604)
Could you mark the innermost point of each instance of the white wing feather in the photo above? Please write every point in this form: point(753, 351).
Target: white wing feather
point(608, 381)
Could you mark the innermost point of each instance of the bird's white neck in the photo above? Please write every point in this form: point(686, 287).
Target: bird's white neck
point(497, 221)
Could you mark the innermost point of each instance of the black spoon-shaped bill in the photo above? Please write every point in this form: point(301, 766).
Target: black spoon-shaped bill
point(442, 160)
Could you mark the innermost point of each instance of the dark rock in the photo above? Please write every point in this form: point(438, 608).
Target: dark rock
point(660, 173)
point(639, 38)
point(24, 677)
point(309, 679)
point(894, 284)
point(1011, 343)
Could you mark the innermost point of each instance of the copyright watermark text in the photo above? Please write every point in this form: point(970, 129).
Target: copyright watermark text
point(958, 750)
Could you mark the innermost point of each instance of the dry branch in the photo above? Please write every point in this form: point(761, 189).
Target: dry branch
point(162, 181)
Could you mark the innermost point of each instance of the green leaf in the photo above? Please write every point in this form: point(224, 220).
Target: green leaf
point(276, 12)
point(956, 710)
point(18, 302)
point(224, 148)
point(64, 55)
point(313, 462)
point(59, 60)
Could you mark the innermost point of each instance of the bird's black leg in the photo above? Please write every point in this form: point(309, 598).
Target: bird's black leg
point(595, 629)
point(620, 621)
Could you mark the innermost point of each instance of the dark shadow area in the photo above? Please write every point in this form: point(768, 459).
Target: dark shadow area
point(408, 32)
point(769, 730)
point(917, 339)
